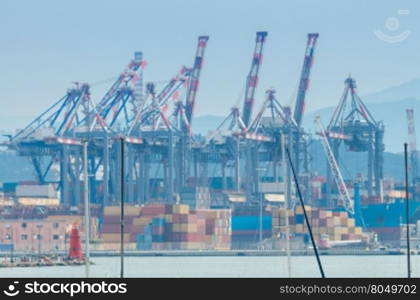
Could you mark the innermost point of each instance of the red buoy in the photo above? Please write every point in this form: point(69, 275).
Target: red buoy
point(75, 250)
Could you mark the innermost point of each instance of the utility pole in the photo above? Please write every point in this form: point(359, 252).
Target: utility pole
point(286, 177)
point(122, 205)
point(261, 207)
point(407, 211)
point(39, 226)
point(87, 207)
point(9, 229)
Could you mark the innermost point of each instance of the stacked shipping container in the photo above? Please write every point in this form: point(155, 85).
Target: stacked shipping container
point(168, 227)
point(336, 224)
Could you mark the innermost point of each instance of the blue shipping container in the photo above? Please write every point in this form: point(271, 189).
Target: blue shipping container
point(250, 223)
point(6, 247)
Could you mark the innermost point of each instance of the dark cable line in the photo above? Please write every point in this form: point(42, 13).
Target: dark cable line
point(321, 270)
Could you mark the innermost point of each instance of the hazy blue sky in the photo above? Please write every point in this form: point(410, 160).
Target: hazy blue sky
point(46, 45)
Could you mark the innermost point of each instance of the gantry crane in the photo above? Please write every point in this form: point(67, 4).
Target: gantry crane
point(252, 79)
point(353, 124)
point(194, 81)
point(51, 138)
point(300, 139)
point(232, 134)
point(304, 78)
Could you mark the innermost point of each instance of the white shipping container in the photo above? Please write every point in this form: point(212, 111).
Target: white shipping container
point(272, 187)
point(42, 191)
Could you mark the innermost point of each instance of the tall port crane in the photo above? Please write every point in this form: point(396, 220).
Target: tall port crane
point(51, 138)
point(152, 116)
point(300, 140)
point(232, 136)
point(344, 196)
point(412, 147)
point(304, 77)
point(252, 79)
point(194, 80)
point(354, 124)
point(128, 74)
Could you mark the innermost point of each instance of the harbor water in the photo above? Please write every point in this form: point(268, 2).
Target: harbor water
point(235, 266)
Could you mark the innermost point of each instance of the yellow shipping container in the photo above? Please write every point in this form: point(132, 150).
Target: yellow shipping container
point(181, 209)
point(333, 230)
point(336, 221)
point(191, 227)
point(115, 237)
point(299, 228)
point(351, 222)
point(129, 210)
point(334, 237)
point(358, 230)
point(299, 209)
point(209, 213)
point(142, 221)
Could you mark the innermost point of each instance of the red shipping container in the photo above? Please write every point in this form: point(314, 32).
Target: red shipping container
point(133, 238)
point(117, 219)
point(194, 237)
point(138, 229)
point(153, 210)
point(168, 209)
point(111, 228)
point(111, 219)
point(179, 218)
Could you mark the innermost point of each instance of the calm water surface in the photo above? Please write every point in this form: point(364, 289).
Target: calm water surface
point(302, 266)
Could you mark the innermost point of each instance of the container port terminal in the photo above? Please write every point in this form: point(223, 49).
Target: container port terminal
point(229, 192)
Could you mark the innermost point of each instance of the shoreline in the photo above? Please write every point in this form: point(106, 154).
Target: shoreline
point(211, 253)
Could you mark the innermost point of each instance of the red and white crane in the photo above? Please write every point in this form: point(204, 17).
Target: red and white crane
point(304, 78)
point(252, 79)
point(194, 80)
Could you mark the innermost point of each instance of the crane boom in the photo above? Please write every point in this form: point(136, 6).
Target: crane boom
point(194, 79)
point(126, 75)
point(252, 79)
point(338, 178)
point(304, 77)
